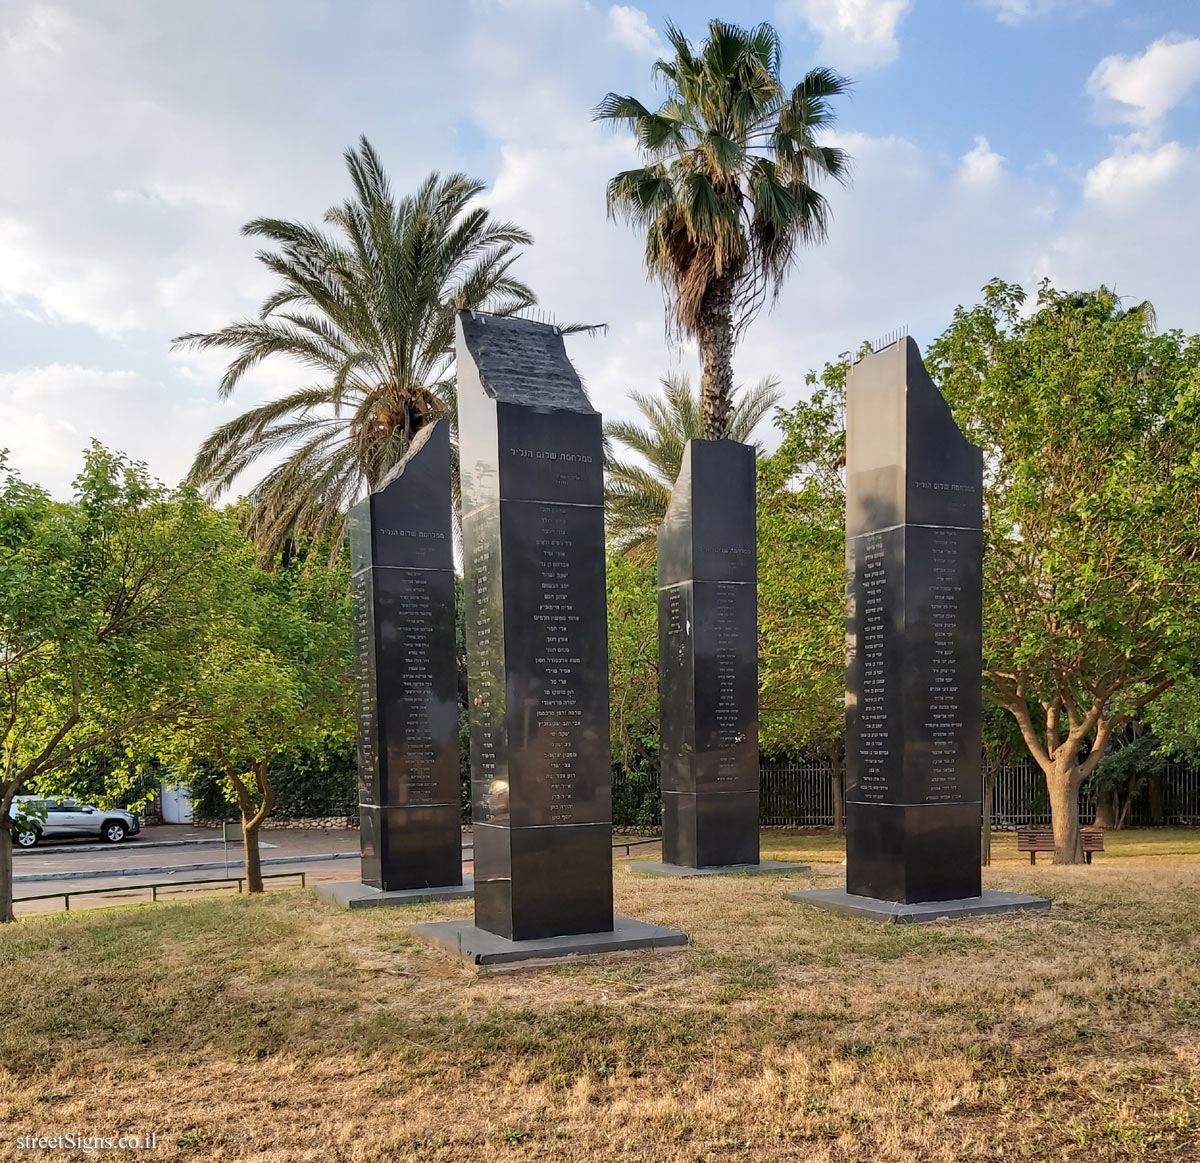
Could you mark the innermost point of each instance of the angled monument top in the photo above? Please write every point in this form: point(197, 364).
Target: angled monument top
point(708, 533)
point(519, 361)
point(906, 459)
point(442, 427)
point(406, 522)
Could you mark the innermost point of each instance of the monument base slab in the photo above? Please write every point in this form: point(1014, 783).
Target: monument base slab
point(351, 894)
point(661, 868)
point(475, 946)
point(988, 903)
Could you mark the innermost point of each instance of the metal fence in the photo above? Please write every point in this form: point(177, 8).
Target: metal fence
point(796, 794)
point(800, 795)
point(1020, 797)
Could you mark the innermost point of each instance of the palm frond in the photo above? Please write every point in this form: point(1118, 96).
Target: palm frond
point(368, 303)
point(637, 494)
point(727, 194)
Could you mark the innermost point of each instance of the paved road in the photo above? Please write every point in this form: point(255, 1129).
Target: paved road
point(134, 853)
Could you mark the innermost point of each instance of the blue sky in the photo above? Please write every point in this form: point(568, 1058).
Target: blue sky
point(1020, 138)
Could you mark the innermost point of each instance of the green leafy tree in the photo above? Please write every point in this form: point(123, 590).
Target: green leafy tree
point(1134, 762)
point(102, 604)
point(633, 682)
point(368, 310)
point(801, 559)
point(1090, 426)
point(728, 192)
point(636, 495)
point(275, 680)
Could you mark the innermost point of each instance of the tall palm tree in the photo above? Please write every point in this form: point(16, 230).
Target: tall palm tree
point(726, 195)
point(369, 309)
point(636, 497)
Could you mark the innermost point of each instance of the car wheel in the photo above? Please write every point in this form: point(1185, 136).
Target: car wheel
point(114, 831)
point(26, 838)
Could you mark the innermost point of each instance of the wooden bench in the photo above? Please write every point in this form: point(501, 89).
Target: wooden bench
point(1034, 840)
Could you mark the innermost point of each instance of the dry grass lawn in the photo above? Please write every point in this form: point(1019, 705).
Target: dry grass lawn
point(279, 1029)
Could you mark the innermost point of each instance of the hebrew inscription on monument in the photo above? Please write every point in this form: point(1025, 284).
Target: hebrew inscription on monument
point(402, 547)
point(708, 659)
point(537, 632)
point(914, 647)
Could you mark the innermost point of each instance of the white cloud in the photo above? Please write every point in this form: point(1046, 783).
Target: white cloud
point(855, 34)
point(43, 411)
point(1132, 234)
point(981, 163)
point(908, 243)
point(1124, 176)
point(1141, 90)
point(1019, 11)
point(58, 379)
point(630, 27)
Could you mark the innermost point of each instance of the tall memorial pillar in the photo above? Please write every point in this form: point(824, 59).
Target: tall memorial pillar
point(914, 608)
point(402, 561)
point(532, 463)
point(708, 659)
point(914, 557)
point(537, 632)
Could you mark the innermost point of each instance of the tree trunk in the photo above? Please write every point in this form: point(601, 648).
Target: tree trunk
point(6, 870)
point(252, 818)
point(839, 793)
point(1126, 804)
point(1106, 811)
point(715, 334)
point(253, 862)
point(1158, 814)
point(1063, 785)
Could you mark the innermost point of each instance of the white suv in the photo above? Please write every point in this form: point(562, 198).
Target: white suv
point(66, 818)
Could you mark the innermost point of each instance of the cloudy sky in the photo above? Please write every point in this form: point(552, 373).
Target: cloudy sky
point(1019, 138)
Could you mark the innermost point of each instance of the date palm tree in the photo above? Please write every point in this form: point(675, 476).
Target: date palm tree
point(367, 308)
point(727, 192)
point(636, 495)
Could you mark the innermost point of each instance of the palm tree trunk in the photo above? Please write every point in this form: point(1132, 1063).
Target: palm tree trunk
point(715, 334)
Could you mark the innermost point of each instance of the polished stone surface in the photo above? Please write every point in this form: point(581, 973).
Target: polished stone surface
point(350, 894)
point(475, 946)
point(659, 868)
point(985, 903)
point(532, 464)
point(914, 555)
point(402, 557)
point(708, 659)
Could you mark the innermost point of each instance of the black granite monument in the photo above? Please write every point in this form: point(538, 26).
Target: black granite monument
point(914, 609)
point(708, 659)
point(401, 548)
point(537, 632)
point(532, 459)
point(914, 554)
